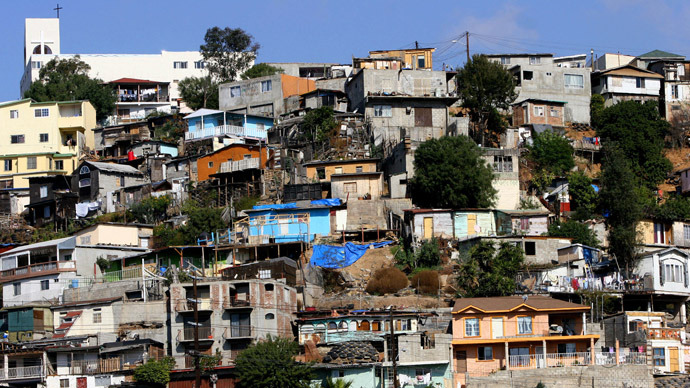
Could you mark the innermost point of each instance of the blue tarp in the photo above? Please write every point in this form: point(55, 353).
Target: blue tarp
point(326, 202)
point(332, 256)
point(292, 205)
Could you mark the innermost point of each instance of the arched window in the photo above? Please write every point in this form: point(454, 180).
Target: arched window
point(364, 326)
point(343, 325)
point(376, 326)
point(269, 316)
point(332, 326)
point(46, 49)
point(84, 170)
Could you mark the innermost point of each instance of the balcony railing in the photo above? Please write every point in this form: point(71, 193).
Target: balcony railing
point(236, 303)
point(553, 360)
point(142, 98)
point(38, 267)
point(664, 333)
point(187, 334)
point(221, 130)
point(25, 372)
point(106, 365)
point(239, 165)
point(237, 331)
point(188, 305)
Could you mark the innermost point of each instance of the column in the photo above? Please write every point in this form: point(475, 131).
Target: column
point(617, 352)
point(591, 351)
point(507, 359)
point(5, 366)
point(543, 352)
point(683, 313)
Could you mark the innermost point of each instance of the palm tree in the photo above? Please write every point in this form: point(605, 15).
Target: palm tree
point(337, 383)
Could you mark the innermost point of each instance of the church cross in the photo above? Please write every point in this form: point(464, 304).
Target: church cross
point(58, 8)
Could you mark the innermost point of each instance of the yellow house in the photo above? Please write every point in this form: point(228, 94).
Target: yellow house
point(42, 138)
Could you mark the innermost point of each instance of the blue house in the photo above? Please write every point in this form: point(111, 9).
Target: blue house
point(208, 123)
point(286, 222)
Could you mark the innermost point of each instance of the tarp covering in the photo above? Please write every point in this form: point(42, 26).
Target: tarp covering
point(333, 256)
point(326, 202)
point(291, 205)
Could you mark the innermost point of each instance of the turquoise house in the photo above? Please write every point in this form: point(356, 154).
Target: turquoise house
point(208, 123)
point(370, 375)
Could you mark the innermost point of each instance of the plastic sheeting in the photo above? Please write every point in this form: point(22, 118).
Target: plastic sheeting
point(326, 202)
point(334, 257)
point(292, 205)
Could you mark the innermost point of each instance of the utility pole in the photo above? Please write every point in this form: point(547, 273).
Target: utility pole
point(394, 350)
point(467, 45)
point(197, 369)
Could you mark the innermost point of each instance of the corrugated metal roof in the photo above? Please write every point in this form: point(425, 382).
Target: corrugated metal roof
point(202, 112)
point(62, 243)
point(114, 167)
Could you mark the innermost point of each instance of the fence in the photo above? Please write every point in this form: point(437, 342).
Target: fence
point(552, 360)
point(25, 372)
point(106, 365)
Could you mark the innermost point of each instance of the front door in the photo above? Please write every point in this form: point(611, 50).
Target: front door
point(428, 228)
point(471, 224)
point(461, 361)
point(497, 327)
point(673, 357)
point(81, 382)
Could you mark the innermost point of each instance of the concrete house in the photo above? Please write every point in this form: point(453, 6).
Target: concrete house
point(626, 83)
point(505, 162)
point(358, 185)
point(102, 183)
point(264, 96)
point(542, 77)
point(675, 87)
point(138, 98)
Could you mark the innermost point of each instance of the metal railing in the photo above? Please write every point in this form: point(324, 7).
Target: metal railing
point(24, 372)
point(239, 165)
point(106, 365)
point(124, 274)
point(38, 267)
point(664, 333)
point(554, 360)
point(221, 130)
point(187, 334)
point(188, 305)
point(234, 302)
point(237, 331)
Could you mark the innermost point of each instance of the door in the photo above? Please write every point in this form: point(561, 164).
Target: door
point(460, 361)
point(422, 117)
point(497, 327)
point(81, 382)
point(460, 225)
point(673, 358)
point(428, 227)
point(471, 224)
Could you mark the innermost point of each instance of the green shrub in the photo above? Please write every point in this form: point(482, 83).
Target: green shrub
point(387, 281)
point(426, 282)
point(155, 373)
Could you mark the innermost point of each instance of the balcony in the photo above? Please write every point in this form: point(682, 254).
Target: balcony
point(237, 332)
point(144, 97)
point(24, 372)
point(665, 333)
point(106, 365)
point(236, 303)
point(184, 306)
point(37, 269)
point(187, 334)
point(553, 360)
point(222, 130)
point(239, 165)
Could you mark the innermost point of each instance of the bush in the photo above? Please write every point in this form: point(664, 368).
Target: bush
point(429, 254)
point(155, 373)
point(426, 282)
point(387, 281)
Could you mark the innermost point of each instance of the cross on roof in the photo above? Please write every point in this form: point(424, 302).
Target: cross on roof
point(58, 8)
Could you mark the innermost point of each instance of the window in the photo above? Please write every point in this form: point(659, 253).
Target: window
point(383, 111)
point(180, 65)
point(36, 64)
point(527, 75)
point(43, 137)
point(122, 181)
point(673, 273)
point(574, 81)
point(31, 163)
point(45, 284)
point(235, 91)
point(210, 164)
point(199, 64)
point(64, 383)
point(46, 211)
point(539, 111)
point(635, 325)
point(97, 316)
point(471, 327)
point(268, 287)
point(421, 62)
point(422, 117)
point(102, 381)
point(674, 91)
point(503, 163)
point(567, 348)
point(17, 288)
point(338, 170)
point(43, 191)
point(84, 170)
point(59, 165)
point(659, 356)
point(17, 139)
point(14, 114)
point(530, 248)
point(266, 86)
point(350, 187)
point(524, 325)
point(534, 60)
point(359, 169)
point(8, 164)
point(321, 173)
point(270, 316)
point(686, 232)
point(421, 373)
point(123, 113)
point(85, 182)
point(264, 274)
point(41, 112)
point(553, 112)
point(505, 60)
point(485, 353)
point(639, 83)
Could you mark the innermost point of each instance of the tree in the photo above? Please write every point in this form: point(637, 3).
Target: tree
point(621, 199)
point(261, 70)
point(596, 107)
point(337, 383)
point(228, 52)
point(199, 92)
point(680, 126)
point(68, 80)
point(318, 125)
point(151, 210)
point(487, 272)
point(552, 153)
point(583, 198)
point(579, 232)
point(673, 208)
point(270, 363)
point(450, 172)
point(485, 88)
point(638, 130)
point(155, 373)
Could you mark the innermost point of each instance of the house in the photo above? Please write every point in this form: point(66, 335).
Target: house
point(414, 59)
point(281, 268)
point(223, 126)
point(139, 98)
point(518, 332)
point(13, 202)
point(403, 103)
point(539, 250)
point(43, 138)
point(309, 70)
point(506, 182)
point(113, 233)
point(114, 141)
point(649, 333)
point(28, 321)
point(644, 61)
point(423, 224)
point(153, 148)
point(231, 315)
point(358, 185)
point(265, 96)
point(51, 199)
point(318, 98)
point(323, 170)
point(542, 77)
point(530, 222)
point(609, 61)
point(665, 271)
point(626, 83)
point(291, 222)
point(535, 111)
point(655, 232)
point(102, 183)
point(675, 88)
point(232, 158)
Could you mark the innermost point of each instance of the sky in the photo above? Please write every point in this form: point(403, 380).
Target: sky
point(330, 31)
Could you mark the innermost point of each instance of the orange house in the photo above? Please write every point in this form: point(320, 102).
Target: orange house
point(234, 157)
point(491, 334)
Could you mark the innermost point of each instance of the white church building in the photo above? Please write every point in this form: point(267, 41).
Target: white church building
point(144, 82)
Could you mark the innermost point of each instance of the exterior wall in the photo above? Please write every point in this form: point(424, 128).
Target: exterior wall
point(360, 376)
point(645, 230)
point(63, 120)
point(345, 167)
point(54, 381)
point(31, 289)
point(319, 225)
point(442, 225)
point(402, 124)
point(679, 233)
point(141, 149)
point(371, 185)
point(409, 57)
point(537, 225)
point(609, 61)
point(653, 264)
point(85, 324)
point(616, 88)
point(510, 60)
point(113, 234)
point(269, 103)
point(233, 152)
point(406, 82)
point(526, 113)
point(685, 180)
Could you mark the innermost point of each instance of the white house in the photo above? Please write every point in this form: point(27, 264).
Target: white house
point(625, 83)
point(666, 272)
